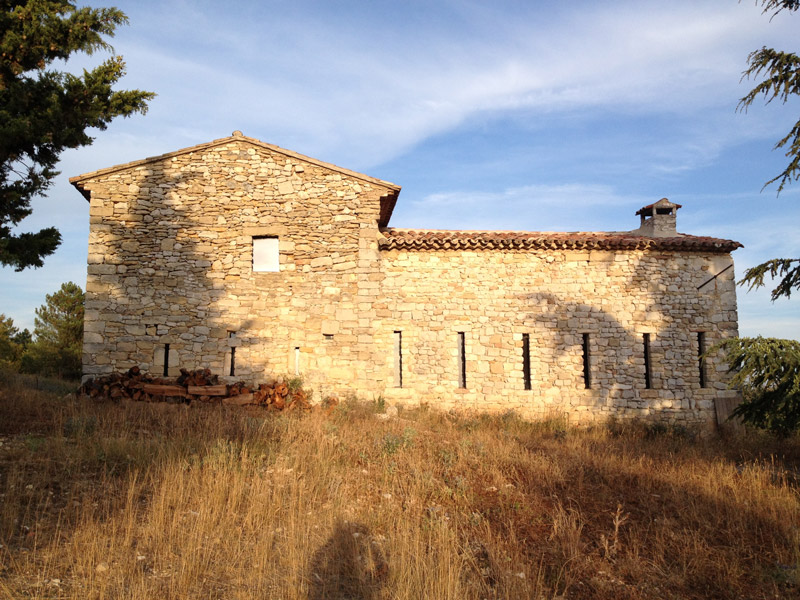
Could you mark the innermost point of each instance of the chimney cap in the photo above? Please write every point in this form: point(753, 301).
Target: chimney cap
point(653, 208)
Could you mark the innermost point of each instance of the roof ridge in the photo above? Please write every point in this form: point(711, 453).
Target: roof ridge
point(236, 136)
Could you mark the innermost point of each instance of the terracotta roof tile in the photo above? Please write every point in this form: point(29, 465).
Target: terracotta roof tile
point(430, 239)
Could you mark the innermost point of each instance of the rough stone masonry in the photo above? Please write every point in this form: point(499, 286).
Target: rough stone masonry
point(259, 262)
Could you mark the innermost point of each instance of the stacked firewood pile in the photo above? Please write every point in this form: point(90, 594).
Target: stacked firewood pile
point(199, 385)
point(275, 395)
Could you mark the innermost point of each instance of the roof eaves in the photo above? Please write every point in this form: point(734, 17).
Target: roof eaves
point(388, 202)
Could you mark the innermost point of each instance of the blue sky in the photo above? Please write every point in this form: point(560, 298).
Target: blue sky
point(541, 116)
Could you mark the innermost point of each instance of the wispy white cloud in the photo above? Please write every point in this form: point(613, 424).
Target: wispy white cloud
point(368, 98)
point(649, 86)
point(766, 226)
point(535, 207)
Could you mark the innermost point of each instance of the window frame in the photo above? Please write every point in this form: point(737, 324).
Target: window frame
point(268, 255)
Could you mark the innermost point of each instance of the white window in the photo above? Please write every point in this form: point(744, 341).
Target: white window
point(265, 254)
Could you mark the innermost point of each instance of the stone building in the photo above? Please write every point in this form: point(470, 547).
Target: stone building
point(259, 262)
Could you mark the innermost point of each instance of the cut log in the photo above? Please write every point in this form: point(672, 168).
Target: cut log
point(239, 400)
point(155, 389)
point(209, 390)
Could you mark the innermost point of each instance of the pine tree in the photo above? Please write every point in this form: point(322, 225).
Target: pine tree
point(44, 111)
point(13, 343)
point(58, 334)
point(782, 81)
point(781, 72)
point(767, 370)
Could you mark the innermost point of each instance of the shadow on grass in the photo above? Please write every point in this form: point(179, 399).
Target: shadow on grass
point(351, 564)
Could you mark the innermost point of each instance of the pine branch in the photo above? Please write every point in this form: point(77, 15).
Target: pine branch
point(781, 72)
point(777, 267)
point(27, 249)
point(45, 111)
point(767, 371)
point(779, 5)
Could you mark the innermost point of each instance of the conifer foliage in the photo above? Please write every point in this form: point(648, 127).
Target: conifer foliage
point(767, 371)
point(44, 111)
point(13, 343)
point(785, 268)
point(781, 72)
point(58, 334)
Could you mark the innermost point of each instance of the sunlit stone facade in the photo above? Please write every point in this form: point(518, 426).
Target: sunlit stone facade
point(585, 324)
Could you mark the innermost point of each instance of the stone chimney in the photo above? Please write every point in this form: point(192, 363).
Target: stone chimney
point(659, 219)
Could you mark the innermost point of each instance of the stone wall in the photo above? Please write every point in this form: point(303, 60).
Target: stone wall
point(171, 263)
point(494, 297)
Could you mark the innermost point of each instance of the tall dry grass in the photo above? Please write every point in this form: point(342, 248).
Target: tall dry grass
point(167, 501)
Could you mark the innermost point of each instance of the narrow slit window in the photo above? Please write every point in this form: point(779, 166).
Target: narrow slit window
point(232, 335)
point(648, 376)
point(587, 363)
point(462, 360)
point(398, 359)
point(526, 360)
point(297, 360)
point(166, 360)
point(701, 361)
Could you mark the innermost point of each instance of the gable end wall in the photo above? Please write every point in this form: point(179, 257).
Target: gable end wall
point(170, 261)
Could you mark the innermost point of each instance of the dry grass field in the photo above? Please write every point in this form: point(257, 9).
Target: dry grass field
point(143, 501)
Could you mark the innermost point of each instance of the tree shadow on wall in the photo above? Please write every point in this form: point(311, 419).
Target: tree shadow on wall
point(168, 284)
point(349, 565)
point(617, 365)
